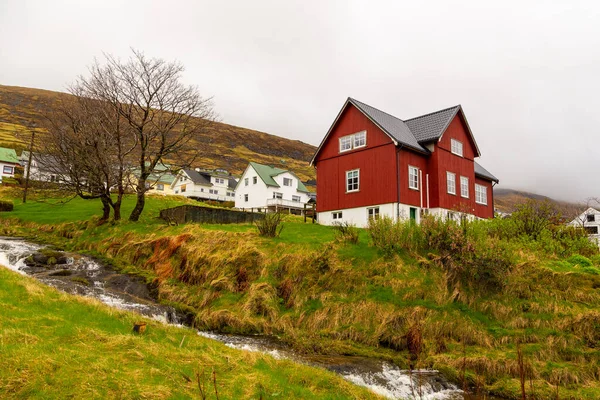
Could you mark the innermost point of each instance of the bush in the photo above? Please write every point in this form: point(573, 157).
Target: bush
point(270, 225)
point(346, 232)
point(6, 205)
point(391, 237)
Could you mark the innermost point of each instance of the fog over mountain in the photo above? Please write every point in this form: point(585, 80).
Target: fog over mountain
point(525, 72)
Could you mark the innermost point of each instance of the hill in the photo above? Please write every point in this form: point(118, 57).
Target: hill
point(507, 200)
point(226, 146)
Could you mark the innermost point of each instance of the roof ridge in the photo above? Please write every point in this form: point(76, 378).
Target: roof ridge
point(387, 113)
point(431, 113)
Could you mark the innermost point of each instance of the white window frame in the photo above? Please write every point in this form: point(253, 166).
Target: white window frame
point(456, 147)
point(246, 180)
point(453, 180)
point(246, 197)
point(346, 143)
point(254, 180)
point(355, 141)
point(160, 187)
point(219, 180)
point(348, 184)
point(464, 187)
point(8, 170)
point(336, 215)
point(289, 181)
point(481, 194)
point(360, 139)
point(213, 191)
point(413, 172)
point(372, 212)
point(278, 195)
point(296, 198)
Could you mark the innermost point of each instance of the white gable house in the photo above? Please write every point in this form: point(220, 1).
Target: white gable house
point(262, 186)
point(204, 184)
point(590, 221)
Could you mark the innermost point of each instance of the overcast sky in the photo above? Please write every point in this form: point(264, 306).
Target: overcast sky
point(527, 73)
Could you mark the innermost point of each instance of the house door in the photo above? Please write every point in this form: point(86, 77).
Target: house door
point(413, 214)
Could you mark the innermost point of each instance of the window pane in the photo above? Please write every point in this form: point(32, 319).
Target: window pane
point(451, 182)
point(346, 143)
point(360, 139)
point(413, 178)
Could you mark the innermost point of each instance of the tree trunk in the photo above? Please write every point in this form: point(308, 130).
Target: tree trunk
point(117, 208)
point(105, 210)
point(141, 201)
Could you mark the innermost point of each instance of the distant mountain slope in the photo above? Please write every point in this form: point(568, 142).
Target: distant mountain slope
point(227, 146)
point(507, 200)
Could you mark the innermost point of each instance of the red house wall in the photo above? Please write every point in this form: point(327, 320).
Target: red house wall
point(442, 161)
point(481, 210)
point(407, 195)
point(376, 162)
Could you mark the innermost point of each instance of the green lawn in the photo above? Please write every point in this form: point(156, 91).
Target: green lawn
point(56, 346)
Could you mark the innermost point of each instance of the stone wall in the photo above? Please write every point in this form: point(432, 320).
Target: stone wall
point(207, 215)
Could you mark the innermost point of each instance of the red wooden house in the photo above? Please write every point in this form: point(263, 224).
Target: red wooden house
point(371, 163)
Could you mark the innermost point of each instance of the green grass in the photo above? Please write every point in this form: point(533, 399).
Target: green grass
point(323, 295)
point(57, 346)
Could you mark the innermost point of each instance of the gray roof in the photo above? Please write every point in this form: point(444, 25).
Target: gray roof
point(394, 127)
point(197, 177)
point(431, 126)
point(484, 173)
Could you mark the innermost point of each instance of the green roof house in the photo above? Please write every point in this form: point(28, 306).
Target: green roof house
point(263, 186)
point(8, 162)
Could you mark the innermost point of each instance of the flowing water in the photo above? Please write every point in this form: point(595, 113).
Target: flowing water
point(82, 275)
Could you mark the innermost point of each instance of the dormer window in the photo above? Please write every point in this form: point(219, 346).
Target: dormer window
point(456, 147)
point(287, 182)
point(354, 141)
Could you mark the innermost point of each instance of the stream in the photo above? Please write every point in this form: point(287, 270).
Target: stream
point(77, 274)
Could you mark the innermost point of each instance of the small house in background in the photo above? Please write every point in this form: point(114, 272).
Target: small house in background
point(43, 168)
point(8, 162)
point(372, 164)
point(158, 182)
point(203, 184)
point(265, 187)
point(590, 221)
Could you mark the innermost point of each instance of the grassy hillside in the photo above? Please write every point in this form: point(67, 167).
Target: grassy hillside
point(507, 200)
point(226, 146)
point(57, 346)
point(464, 300)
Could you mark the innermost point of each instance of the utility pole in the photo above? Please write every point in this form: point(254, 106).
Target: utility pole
point(32, 130)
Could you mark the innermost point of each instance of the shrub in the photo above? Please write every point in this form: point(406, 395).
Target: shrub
point(346, 232)
point(270, 225)
point(533, 217)
point(6, 205)
point(391, 237)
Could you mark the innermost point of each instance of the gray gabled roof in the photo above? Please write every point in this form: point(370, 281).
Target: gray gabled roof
point(197, 177)
point(394, 127)
point(413, 133)
point(431, 126)
point(484, 173)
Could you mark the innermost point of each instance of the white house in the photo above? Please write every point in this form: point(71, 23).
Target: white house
point(201, 184)
point(8, 162)
point(43, 168)
point(262, 186)
point(590, 221)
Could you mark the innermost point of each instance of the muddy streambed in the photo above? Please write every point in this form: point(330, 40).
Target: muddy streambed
point(82, 275)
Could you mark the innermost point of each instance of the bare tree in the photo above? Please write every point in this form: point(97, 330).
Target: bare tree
point(161, 112)
point(88, 150)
